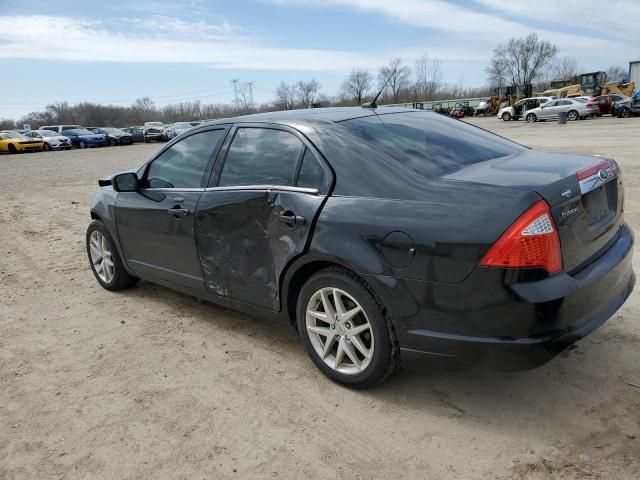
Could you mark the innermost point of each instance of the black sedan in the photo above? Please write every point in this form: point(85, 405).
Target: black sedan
point(386, 236)
point(137, 133)
point(114, 136)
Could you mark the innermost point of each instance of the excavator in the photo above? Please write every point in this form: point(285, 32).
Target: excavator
point(591, 83)
point(507, 96)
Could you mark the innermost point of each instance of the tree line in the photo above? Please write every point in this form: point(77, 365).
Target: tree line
point(520, 60)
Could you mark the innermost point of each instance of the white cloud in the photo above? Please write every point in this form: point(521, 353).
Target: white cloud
point(170, 40)
point(486, 29)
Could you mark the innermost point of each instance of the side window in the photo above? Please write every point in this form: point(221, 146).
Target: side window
point(311, 174)
point(183, 164)
point(261, 156)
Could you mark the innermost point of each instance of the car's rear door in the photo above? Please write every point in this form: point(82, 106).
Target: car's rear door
point(156, 224)
point(265, 192)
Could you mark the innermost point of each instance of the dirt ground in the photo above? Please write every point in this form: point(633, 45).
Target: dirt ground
point(149, 383)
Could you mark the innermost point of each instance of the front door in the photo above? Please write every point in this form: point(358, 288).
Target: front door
point(258, 213)
point(156, 224)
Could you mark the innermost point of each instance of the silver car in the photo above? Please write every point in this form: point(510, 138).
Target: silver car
point(574, 108)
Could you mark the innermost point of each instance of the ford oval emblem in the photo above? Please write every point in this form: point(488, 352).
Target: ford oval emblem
point(604, 173)
point(566, 193)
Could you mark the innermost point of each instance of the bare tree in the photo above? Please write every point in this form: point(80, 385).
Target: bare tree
point(428, 77)
point(307, 91)
point(356, 85)
point(60, 112)
point(617, 74)
point(520, 60)
point(142, 108)
point(398, 75)
point(565, 68)
point(285, 96)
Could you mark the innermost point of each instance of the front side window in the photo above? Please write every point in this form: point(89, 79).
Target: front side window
point(261, 156)
point(183, 165)
point(428, 143)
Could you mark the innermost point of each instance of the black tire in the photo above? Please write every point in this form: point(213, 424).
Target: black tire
point(121, 279)
point(112, 142)
point(506, 116)
point(82, 144)
point(386, 354)
point(46, 147)
point(12, 148)
point(624, 112)
point(531, 118)
point(572, 115)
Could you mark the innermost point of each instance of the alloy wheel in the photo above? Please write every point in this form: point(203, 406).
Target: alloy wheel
point(339, 331)
point(572, 115)
point(101, 256)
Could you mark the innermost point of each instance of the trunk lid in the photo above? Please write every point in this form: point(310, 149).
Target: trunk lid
point(585, 194)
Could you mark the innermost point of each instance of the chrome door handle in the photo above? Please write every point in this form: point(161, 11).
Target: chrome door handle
point(178, 213)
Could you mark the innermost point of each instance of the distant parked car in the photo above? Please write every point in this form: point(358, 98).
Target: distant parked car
point(137, 133)
point(606, 103)
point(154, 131)
point(181, 127)
point(629, 107)
point(517, 110)
point(14, 142)
point(115, 136)
point(83, 138)
point(52, 140)
point(575, 109)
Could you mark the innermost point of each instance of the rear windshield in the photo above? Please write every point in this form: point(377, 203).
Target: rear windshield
point(430, 143)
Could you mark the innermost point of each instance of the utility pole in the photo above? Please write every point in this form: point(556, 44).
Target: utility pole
point(250, 85)
point(236, 100)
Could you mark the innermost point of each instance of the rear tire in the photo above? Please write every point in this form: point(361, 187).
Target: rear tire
point(531, 118)
point(367, 330)
point(112, 142)
point(104, 259)
point(12, 148)
point(82, 144)
point(506, 116)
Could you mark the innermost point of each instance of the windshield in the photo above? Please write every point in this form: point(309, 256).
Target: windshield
point(155, 124)
point(182, 125)
point(12, 134)
point(112, 130)
point(48, 133)
point(429, 143)
point(581, 100)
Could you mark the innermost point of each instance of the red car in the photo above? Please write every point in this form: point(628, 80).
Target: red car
point(605, 102)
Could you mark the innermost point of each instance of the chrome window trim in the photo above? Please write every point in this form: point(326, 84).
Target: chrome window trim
point(284, 188)
point(176, 189)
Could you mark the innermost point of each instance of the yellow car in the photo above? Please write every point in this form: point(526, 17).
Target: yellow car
point(14, 142)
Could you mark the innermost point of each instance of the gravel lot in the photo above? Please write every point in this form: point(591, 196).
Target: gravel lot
point(153, 384)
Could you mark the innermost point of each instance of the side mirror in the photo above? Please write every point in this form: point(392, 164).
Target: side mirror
point(125, 182)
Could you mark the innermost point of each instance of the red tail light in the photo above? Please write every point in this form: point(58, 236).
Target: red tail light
point(530, 242)
point(590, 171)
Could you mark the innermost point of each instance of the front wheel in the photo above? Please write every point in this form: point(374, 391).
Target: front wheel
point(345, 330)
point(624, 113)
point(506, 116)
point(531, 118)
point(82, 144)
point(112, 142)
point(46, 147)
point(572, 116)
point(104, 259)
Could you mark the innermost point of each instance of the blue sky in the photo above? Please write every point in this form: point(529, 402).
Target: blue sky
point(116, 51)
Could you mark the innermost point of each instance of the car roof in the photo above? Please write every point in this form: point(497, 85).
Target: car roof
point(333, 114)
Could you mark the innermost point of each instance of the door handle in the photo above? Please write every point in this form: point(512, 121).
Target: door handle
point(292, 219)
point(178, 212)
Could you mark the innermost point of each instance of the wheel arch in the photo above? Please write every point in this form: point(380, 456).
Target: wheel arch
point(304, 268)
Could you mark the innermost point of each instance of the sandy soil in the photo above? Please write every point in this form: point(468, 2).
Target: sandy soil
point(153, 384)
